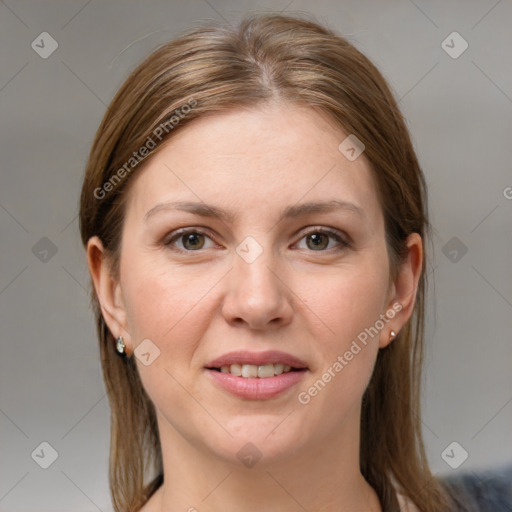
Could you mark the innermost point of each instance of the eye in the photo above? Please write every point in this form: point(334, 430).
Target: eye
point(318, 240)
point(191, 240)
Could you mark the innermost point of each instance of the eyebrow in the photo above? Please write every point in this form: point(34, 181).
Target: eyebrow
point(297, 210)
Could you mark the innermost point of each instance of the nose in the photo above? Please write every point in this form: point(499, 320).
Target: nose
point(257, 295)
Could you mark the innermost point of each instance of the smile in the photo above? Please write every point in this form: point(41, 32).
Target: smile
point(256, 375)
point(263, 371)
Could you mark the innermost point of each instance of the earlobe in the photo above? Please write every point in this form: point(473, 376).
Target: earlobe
point(108, 290)
point(404, 289)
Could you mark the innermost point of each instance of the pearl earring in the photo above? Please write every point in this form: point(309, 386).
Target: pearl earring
point(392, 335)
point(120, 346)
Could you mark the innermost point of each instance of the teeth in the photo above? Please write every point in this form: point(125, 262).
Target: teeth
point(236, 369)
point(278, 369)
point(253, 371)
point(249, 370)
point(266, 370)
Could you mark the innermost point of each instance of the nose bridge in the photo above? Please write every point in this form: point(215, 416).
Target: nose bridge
point(255, 266)
point(256, 294)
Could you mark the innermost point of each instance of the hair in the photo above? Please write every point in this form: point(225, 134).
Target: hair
point(213, 69)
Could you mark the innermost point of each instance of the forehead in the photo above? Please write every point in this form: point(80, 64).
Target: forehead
point(255, 160)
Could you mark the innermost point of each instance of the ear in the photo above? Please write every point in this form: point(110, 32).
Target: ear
point(404, 288)
point(108, 291)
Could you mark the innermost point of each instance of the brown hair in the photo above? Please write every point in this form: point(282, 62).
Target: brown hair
point(214, 69)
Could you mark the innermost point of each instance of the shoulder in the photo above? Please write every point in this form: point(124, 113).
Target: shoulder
point(480, 490)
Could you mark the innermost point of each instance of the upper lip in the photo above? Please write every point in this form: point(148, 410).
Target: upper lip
point(257, 358)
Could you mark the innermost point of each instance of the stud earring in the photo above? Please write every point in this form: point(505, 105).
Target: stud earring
point(120, 346)
point(392, 335)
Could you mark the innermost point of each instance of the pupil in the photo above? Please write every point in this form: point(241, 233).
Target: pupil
point(192, 239)
point(317, 239)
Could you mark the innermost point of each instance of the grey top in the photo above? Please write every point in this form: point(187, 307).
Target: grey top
point(481, 490)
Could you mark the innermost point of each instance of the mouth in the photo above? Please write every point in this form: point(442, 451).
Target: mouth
point(256, 375)
point(252, 371)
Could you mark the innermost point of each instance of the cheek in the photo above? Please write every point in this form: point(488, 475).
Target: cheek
point(172, 307)
point(166, 304)
point(350, 300)
point(349, 305)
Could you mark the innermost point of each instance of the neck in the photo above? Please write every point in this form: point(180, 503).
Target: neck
point(319, 478)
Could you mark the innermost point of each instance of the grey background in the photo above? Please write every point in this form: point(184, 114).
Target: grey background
point(460, 116)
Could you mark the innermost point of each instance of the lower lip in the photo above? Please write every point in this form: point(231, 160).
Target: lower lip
point(256, 388)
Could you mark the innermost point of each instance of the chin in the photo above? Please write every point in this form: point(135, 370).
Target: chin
point(263, 440)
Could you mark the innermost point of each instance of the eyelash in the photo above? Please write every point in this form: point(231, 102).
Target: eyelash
point(182, 232)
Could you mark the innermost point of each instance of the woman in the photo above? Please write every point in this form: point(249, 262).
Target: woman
point(255, 219)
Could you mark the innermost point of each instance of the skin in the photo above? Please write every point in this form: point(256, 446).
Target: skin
point(310, 302)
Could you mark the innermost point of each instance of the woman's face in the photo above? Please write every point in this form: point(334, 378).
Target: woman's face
point(259, 280)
